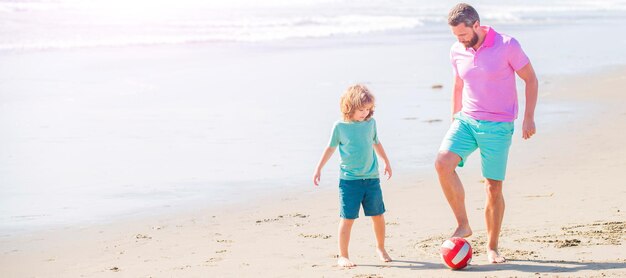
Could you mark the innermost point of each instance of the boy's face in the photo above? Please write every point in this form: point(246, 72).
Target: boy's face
point(361, 113)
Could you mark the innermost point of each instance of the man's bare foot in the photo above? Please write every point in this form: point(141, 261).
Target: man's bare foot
point(345, 262)
point(494, 257)
point(462, 231)
point(382, 254)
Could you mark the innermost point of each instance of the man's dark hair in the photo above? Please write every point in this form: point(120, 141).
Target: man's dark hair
point(463, 13)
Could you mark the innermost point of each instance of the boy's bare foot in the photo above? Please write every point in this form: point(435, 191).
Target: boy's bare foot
point(462, 231)
point(345, 262)
point(494, 257)
point(382, 254)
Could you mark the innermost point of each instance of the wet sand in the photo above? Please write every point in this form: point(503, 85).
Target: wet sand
point(565, 217)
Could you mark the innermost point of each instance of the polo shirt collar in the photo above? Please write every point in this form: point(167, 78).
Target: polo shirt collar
point(490, 37)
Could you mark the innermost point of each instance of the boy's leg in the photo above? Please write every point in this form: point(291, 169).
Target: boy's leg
point(350, 196)
point(378, 222)
point(345, 226)
point(374, 206)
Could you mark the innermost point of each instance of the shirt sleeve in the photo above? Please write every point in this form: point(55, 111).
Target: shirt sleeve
point(375, 138)
point(334, 136)
point(455, 71)
point(516, 58)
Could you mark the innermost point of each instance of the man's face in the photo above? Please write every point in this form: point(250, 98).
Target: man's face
point(466, 35)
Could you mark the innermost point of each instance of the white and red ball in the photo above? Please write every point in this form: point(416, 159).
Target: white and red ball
point(456, 253)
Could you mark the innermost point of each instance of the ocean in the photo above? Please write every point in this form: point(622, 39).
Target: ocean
point(112, 109)
point(67, 24)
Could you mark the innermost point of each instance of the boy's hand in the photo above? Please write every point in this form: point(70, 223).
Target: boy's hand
point(388, 172)
point(316, 177)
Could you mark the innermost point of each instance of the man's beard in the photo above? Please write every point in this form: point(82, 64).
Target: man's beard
point(473, 41)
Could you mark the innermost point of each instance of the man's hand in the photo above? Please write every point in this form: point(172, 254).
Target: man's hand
point(528, 128)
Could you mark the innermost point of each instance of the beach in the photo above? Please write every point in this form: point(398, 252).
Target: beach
point(565, 216)
point(180, 142)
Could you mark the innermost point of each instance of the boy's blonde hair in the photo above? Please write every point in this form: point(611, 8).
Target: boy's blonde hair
point(356, 97)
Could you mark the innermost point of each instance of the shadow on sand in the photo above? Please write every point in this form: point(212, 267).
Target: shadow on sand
point(526, 266)
point(413, 265)
point(549, 266)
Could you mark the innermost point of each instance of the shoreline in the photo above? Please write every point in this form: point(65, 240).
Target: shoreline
point(565, 215)
point(158, 142)
point(186, 207)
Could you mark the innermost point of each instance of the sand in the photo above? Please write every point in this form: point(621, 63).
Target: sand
point(565, 215)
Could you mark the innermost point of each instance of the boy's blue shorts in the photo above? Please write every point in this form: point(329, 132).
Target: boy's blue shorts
point(353, 193)
point(492, 138)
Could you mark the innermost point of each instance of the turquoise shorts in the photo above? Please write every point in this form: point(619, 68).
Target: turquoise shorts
point(354, 193)
point(492, 138)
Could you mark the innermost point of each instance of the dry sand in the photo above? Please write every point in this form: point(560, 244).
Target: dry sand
point(565, 216)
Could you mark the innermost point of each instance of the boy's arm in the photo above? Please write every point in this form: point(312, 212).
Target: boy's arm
point(381, 152)
point(328, 152)
point(457, 94)
point(527, 73)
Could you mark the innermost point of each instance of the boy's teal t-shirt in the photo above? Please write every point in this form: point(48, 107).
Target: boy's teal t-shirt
point(355, 141)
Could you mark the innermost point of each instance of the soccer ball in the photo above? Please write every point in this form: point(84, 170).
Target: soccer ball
point(456, 253)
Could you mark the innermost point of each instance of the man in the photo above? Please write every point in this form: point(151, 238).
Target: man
point(484, 106)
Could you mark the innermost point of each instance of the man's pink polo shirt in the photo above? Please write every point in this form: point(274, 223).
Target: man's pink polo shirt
point(488, 75)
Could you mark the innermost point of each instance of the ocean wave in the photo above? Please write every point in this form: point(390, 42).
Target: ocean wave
point(381, 22)
point(252, 30)
point(554, 11)
point(43, 25)
point(26, 6)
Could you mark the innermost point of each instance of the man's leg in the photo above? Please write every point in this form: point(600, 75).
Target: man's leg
point(494, 212)
point(453, 189)
point(494, 145)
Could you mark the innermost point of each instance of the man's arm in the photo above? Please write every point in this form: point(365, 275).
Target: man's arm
point(527, 73)
point(457, 94)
